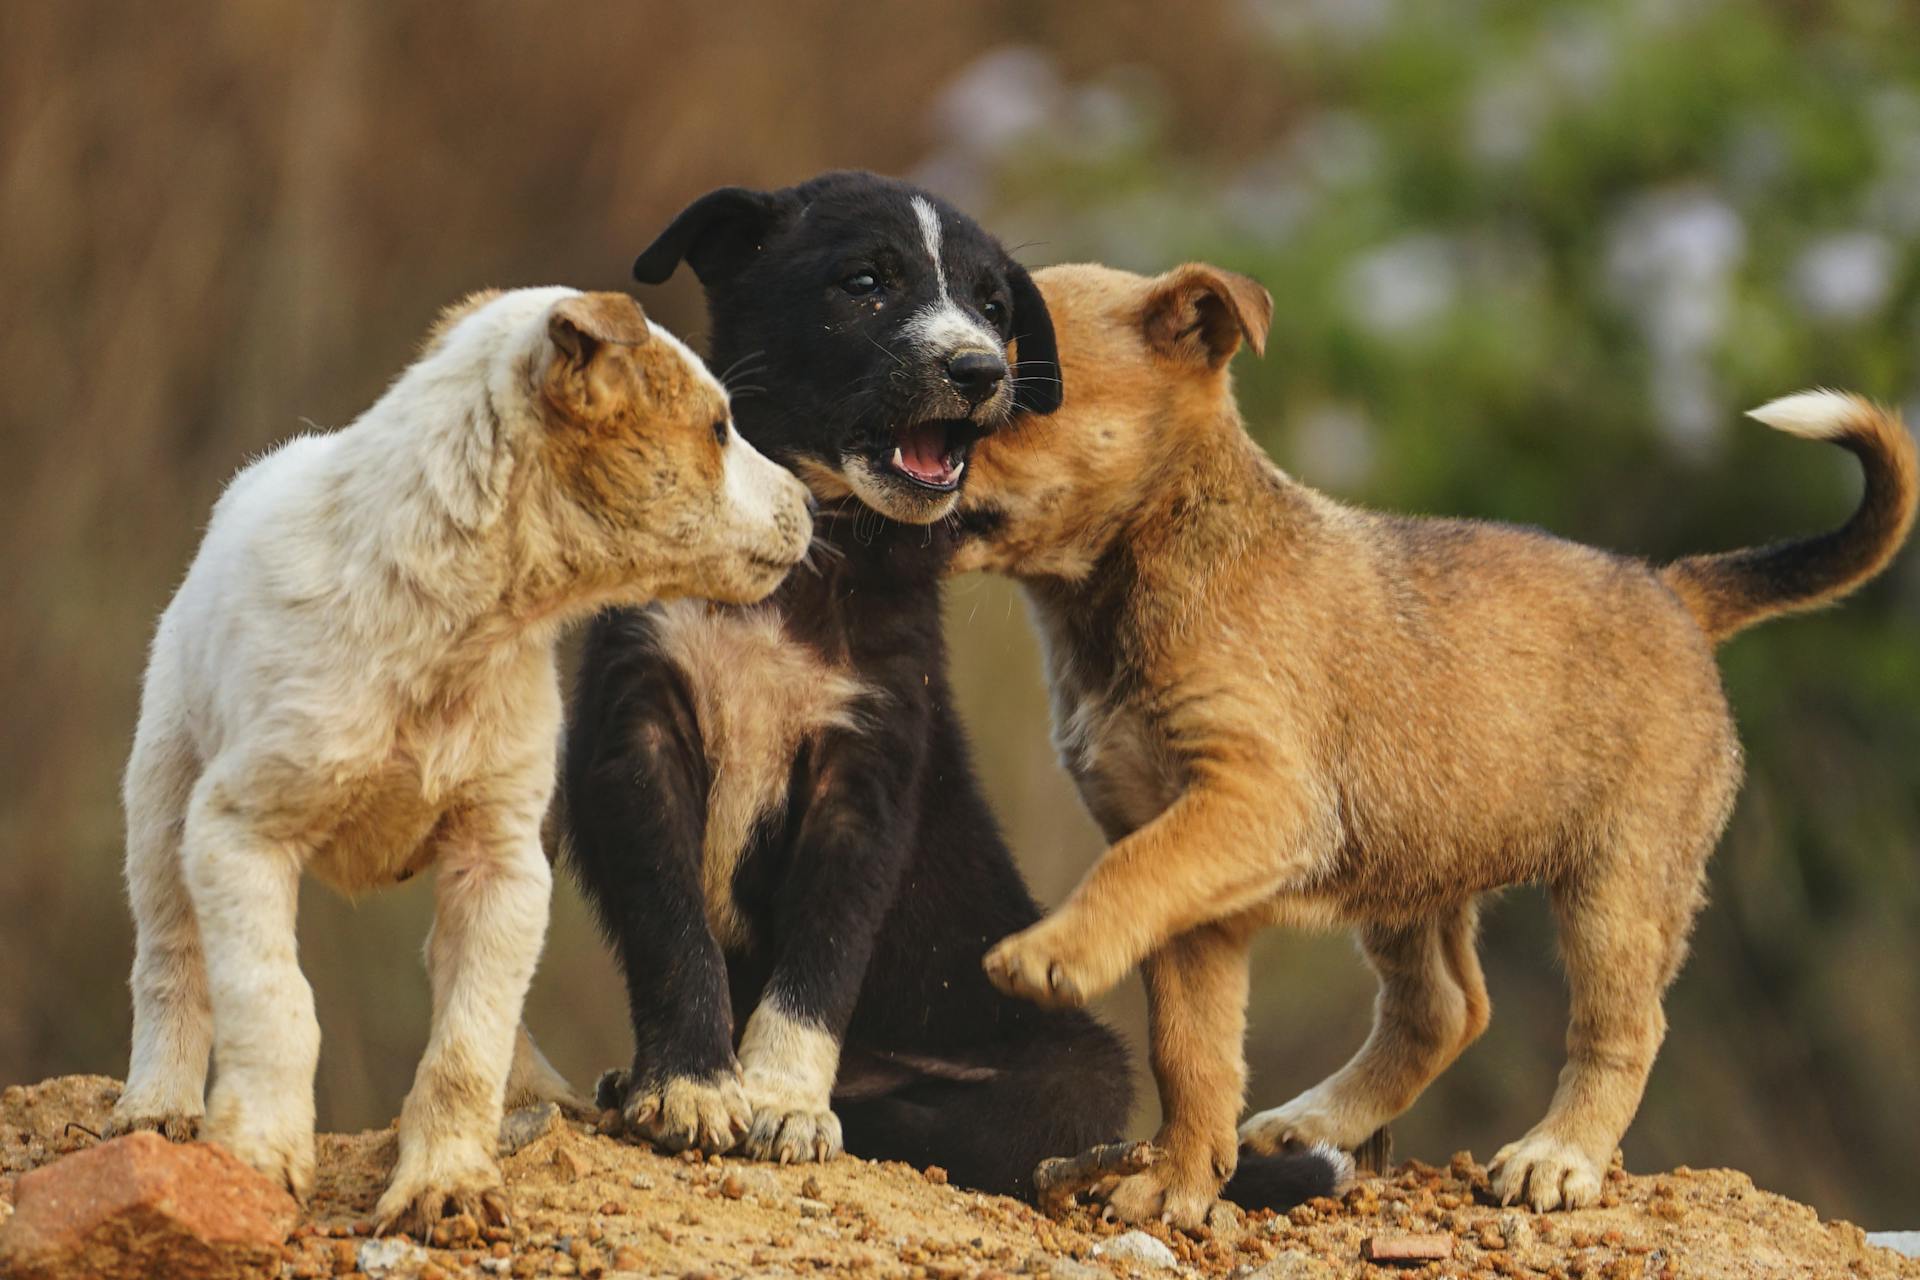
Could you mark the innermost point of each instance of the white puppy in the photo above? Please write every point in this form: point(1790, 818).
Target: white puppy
point(357, 679)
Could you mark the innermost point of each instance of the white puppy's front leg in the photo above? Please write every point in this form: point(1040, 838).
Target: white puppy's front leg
point(489, 920)
point(266, 1041)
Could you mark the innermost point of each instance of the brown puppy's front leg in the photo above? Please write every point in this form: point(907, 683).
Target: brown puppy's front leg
point(1214, 853)
point(1197, 1011)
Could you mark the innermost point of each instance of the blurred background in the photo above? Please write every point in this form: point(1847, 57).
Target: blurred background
point(1530, 261)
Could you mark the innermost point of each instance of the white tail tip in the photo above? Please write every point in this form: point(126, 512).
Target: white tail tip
point(1817, 415)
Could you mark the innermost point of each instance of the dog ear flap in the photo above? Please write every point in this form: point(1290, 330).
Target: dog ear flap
point(1037, 387)
point(584, 328)
point(714, 235)
point(581, 325)
point(1199, 312)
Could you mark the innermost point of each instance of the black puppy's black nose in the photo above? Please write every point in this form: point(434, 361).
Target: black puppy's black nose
point(976, 374)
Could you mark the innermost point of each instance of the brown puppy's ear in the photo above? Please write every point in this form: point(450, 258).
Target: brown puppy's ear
point(1200, 313)
point(584, 329)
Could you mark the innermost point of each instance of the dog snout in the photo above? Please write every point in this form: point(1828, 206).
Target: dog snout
point(976, 375)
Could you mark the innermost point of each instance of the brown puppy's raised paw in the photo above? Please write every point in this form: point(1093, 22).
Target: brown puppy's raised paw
point(1043, 965)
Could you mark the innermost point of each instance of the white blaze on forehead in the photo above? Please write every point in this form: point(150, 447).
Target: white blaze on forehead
point(944, 326)
point(930, 236)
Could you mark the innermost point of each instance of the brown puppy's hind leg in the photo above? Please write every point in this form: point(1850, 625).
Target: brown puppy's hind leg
point(1623, 934)
point(1432, 1005)
point(1197, 1014)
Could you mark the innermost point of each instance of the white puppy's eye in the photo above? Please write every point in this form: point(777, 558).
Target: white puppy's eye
point(720, 431)
point(860, 282)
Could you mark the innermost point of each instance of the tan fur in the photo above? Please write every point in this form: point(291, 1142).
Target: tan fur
point(757, 695)
point(1285, 710)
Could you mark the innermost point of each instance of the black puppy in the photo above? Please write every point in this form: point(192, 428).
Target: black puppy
point(772, 808)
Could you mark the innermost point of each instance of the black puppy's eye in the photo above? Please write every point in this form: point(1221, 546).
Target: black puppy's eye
point(860, 282)
point(996, 313)
point(720, 431)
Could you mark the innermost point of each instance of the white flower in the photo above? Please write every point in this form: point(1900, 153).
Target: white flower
point(1403, 286)
point(1845, 276)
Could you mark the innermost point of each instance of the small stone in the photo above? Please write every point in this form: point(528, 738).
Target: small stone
point(496, 1266)
point(936, 1175)
point(811, 1208)
point(732, 1186)
point(1408, 1248)
point(1136, 1247)
point(628, 1258)
point(811, 1189)
point(569, 1164)
point(1516, 1231)
point(526, 1125)
point(389, 1253)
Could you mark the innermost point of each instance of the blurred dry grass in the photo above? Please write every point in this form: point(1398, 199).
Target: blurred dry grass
point(222, 220)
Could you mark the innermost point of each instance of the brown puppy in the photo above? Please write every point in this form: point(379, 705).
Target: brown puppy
point(1283, 710)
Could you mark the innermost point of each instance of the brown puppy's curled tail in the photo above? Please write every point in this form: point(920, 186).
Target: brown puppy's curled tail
point(1731, 591)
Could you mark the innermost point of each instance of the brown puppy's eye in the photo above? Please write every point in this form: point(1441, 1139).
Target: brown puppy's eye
point(720, 431)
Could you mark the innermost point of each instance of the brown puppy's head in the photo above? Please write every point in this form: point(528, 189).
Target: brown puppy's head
point(1145, 363)
point(609, 449)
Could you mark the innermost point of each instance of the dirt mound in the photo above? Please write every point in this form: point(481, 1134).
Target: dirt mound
point(586, 1204)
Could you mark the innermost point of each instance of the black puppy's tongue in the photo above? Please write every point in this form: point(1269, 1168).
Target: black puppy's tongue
point(921, 452)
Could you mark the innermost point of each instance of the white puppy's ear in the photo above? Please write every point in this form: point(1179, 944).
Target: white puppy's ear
point(1199, 313)
point(594, 336)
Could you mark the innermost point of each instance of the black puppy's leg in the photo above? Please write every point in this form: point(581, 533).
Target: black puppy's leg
point(990, 1123)
point(851, 842)
point(636, 789)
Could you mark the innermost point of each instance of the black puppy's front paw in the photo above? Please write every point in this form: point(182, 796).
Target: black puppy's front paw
point(676, 1113)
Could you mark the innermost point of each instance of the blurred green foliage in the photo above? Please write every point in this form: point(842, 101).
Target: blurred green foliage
point(1530, 261)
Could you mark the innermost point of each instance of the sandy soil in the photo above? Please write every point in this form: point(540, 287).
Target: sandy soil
point(587, 1204)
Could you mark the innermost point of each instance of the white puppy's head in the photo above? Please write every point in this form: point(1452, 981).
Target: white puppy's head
point(625, 474)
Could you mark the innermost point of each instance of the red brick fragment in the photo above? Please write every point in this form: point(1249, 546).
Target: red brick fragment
point(1431, 1247)
point(142, 1206)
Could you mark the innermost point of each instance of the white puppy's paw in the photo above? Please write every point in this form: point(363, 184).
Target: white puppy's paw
point(437, 1186)
point(1546, 1172)
point(681, 1112)
point(276, 1139)
point(788, 1131)
point(1316, 1116)
point(175, 1121)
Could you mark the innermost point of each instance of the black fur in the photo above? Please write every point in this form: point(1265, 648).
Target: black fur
point(872, 896)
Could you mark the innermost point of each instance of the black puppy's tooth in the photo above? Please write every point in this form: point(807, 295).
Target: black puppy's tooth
point(835, 873)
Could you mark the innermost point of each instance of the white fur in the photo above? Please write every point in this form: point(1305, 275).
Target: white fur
point(944, 327)
point(789, 1065)
point(1815, 415)
point(357, 679)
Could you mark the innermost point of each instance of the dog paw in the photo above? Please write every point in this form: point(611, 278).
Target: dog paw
point(1310, 1119)
point(419, 1197)
point(279, 1146)
point(1041, 964)
point(1547, 1173)
point(1162, 1195)
point(792, 1135)
point(680, 1112)
point(175, 1124)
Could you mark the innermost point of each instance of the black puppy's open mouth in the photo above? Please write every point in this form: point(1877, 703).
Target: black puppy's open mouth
point(932, 454)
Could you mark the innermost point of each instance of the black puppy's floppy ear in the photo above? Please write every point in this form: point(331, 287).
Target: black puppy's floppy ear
point(1037, 386)
point(714, 235)
point(1199, 312)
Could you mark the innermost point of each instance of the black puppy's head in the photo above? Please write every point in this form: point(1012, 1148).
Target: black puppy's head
point(877, 320)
